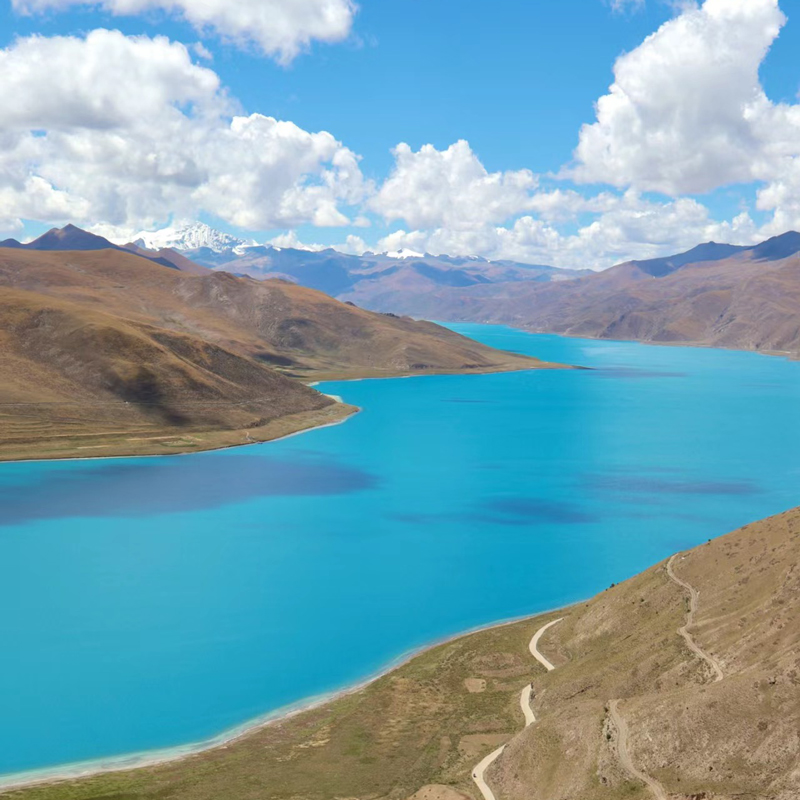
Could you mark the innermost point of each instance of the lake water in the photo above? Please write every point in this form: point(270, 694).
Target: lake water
point(155, 602)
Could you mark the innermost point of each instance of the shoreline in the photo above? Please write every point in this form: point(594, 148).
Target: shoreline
point(161, 756)
point(311, 384)
point(355, 412)
point(131, 762)
point(787, 355)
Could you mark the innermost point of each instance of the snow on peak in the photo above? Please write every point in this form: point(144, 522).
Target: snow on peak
point(403, 253)
point(190, 236)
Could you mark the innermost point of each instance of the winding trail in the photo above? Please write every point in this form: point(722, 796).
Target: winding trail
point(477, 774)
point(527, 712)
point(525, 705)
point(625, 757)
point(694, 597)
point(657, 790)
point(534, 647)
point(622, 726)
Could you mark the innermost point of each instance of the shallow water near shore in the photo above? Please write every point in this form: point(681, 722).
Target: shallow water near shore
point(152, 603)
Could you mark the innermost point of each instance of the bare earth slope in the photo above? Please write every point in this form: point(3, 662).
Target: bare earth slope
point(80, 382)
point(732, 303)
point(163, 351)
point(695, 735)
point(420, 730)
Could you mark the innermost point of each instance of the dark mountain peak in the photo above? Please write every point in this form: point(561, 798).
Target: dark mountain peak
point(70, 237)
point(778, 247)
point(11, 243)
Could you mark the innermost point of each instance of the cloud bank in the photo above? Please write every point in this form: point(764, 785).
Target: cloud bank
point(279, 28)
point(129, 131)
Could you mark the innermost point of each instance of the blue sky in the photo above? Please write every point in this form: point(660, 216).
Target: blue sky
point(516, 81)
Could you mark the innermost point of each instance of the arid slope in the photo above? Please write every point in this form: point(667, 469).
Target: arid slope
point(78, 382)
point(280, 323)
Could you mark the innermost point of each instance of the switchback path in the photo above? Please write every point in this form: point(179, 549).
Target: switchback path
point(525, 705)
point(622, 727)
point(477, 775)
point(625, 757)
point(527, 712)
point(534, 647)
point(694, 596)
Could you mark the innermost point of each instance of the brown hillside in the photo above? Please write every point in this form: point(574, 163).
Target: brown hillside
point(168, 257)
point(698, 737)
point(76, 381)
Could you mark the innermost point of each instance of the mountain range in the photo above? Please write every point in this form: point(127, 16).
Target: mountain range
point(370, 280)
point(713, 294)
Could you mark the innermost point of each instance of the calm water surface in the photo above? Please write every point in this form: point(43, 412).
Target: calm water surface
point(151, 603)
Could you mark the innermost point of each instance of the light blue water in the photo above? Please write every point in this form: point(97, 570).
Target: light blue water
point(150, 603)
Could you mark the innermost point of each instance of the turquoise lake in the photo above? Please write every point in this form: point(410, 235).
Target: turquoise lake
point(149, 603)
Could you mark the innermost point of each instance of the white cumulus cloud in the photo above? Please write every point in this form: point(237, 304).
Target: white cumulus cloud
point(687, 112)
point(450, 187)
point(624, 227)
point(279, 28)
point(129, 131)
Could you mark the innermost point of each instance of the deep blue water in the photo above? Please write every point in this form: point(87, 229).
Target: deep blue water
point(154, 602)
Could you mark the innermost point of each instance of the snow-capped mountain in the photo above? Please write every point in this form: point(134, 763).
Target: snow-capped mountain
point(403, 254)
point(190, 236)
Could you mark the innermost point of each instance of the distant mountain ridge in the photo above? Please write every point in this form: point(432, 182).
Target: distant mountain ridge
point(710, 251)
point(713, 295)
point(395, 281)
point(774, 249)
point(71, 237)
point(370, 280)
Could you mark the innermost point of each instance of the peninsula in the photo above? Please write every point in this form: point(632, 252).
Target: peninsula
point(108, 352)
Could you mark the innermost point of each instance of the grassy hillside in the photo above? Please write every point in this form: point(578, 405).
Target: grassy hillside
point(420, 730)
point(108, 353)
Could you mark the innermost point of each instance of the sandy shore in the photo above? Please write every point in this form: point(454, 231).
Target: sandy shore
point(153, 758)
